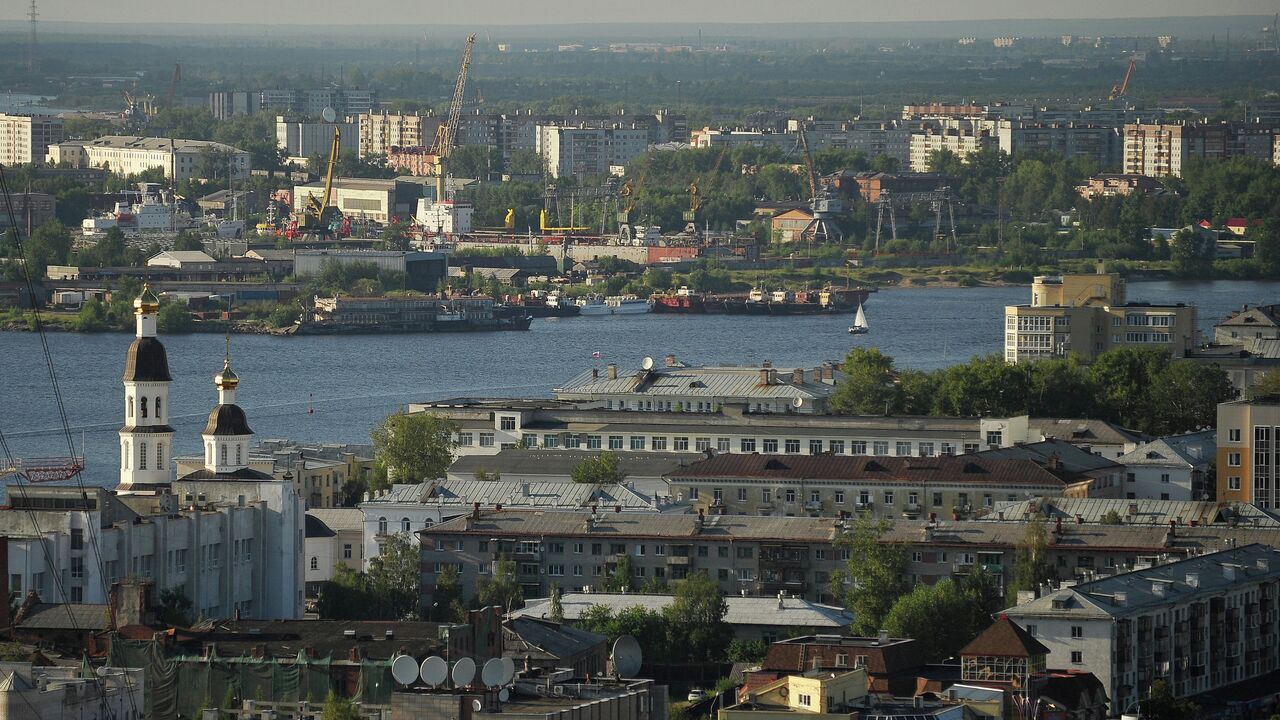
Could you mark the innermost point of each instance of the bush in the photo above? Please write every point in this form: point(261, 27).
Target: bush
point(174, 318)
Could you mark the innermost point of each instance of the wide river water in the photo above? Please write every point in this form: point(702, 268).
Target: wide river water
point(352, 382)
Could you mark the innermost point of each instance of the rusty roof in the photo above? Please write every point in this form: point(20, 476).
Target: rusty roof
point(962, 469)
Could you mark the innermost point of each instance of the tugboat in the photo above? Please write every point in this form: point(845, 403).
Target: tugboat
point(859, 326)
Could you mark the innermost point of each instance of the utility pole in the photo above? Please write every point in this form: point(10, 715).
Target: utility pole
point(31, 43)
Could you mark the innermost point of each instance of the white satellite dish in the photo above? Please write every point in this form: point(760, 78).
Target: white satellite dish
point(798, 402)
point(477, 706)
point(626, 657)
point(508, 670)
point(504, 695)
point(464, 671)
point(404, 669)
point(647, 363)
point(435, 671)
point(491, 673)
point(328, 115)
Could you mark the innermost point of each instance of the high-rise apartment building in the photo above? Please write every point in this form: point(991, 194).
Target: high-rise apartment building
point(581, 151)
point(1165, 149)
point(25, 139)
point(1248, 452)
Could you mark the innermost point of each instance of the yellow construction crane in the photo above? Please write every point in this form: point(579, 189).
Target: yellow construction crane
point(447, 133)
point(1118, 91)
point(318, 214)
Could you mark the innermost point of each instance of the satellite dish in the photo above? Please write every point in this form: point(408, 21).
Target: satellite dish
point(626, 657)
point(404, 669)
point(798, 402)
point(504, 695)
point(464, 671)
point(477, 706)
point(647, 363)
point(491, 673)
point(508, 670)
point(435, 671)
point(328, 115)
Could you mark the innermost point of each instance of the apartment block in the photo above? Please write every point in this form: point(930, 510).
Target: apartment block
point(1088, 315)
point(1198, 624)
point(1098, 143)
point(302, 138)
point(960, 138)
point(25, 139)
point(1248, 451)
point(382, 132)
point(582, 151)
point(1164, 149)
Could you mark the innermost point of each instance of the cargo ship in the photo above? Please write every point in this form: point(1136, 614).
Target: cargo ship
point(539, 305)
point(405, 314)
point(762, 302)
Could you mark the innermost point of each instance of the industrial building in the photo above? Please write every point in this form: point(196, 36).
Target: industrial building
point(130, 155)
point(424, 271)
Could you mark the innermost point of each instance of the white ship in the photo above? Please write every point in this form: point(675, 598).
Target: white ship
point(614, 305)
point(151, 210)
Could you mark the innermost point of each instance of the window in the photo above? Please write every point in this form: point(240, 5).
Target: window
point(382, 526)
point(1233, 435)
point(639, 551)
point(1077, 657)
point(239, 447)
point(912, 499)
point(917, 556)
point(888, 497)
point(551, 441)
point(659, 550)
point(925, 449)
point(637, 442)
point(793, 446)
point(1031, 630)
point(1233, 482)
point(77, 566)
point(142, 410)
point(1233, 459)
point(717, 494)
point(745, 552)
point(937, 499)
point(615, 442)
point(839, 497)
point(1164, 477)
point(593, 442)
point(142, 456)
point(529, 440)
point(722, 551)
point(747, 445)
point(722, 444)
point(693, 493)
point(486, 439)
point(466, 439)
point(680, 444)
point(77, 539)
point(404, 525)
point(948, 448)
point(346, 552)
point(769, 445)
point(315, 564)
point(815, 496)
point(77, 594)
point(507, 422)
point(837, 447)
point(1077, 631)
point(880, 447)
point(815, 447)
point(659, 443)
point(746, 574)
point(902, 449)
point(791, 495)
point(995, 437)
point(766, 496)
point(804, 699)
point(702, 444)
point(128, 406)
point(742, 494)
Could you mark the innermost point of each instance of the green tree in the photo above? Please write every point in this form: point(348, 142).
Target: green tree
point(1266, 249)
point(868, 387)
point(174, 318)
point(604, 468)
point(695, 620)
point(1268, 384)
point(395, 574)
point(555, 613)
point(446, 595)
point(415, 447)
point(175, 608)
point(1032, 566)
point(1185, 397)
point(188, 240)
point(916, 615)
point(339, 708)
point(622, 579)
point(1192, 253)
point(746, 651)
point(876, 574)
point(92, 316)
point(501, 589)
point(49, 244)
point(1161, 704)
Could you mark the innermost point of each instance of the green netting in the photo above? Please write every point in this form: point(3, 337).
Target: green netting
point(180, 686)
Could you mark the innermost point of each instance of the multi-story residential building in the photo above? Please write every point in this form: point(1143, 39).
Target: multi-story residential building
point(302, 138)
point(1171, 468)
point(1198, 624)
point(679, 388)
point(707, 138)
point(1070, 140)
point(1250, 326)
point(1165, 149)
point(582, 151)
point(1088, 315)
point(382, 132)
point(796, 555)
point(333, 540)
point(25, 139)
point(130, 155)
point(829, 485)
point(1248, 468)
point(961, 138)
point(226, 104)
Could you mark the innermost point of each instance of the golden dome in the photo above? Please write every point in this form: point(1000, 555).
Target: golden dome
point(227, 378)
point(146, 302)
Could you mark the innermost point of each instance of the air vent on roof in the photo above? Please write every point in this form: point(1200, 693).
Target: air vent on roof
point(776, 464)
point(873, 466)
point(972, 467)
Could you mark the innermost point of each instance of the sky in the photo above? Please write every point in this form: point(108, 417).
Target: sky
point(541, 12)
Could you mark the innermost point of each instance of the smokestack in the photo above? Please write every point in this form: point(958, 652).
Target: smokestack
point(797, 376)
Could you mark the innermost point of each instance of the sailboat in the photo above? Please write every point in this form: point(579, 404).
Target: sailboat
point(859, 326)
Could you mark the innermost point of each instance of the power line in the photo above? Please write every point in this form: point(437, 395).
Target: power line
point(31, 42)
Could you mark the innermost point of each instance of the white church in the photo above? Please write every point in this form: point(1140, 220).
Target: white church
point(228, 537)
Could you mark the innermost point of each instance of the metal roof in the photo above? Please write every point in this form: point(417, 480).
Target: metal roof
point(517, 494)
point(1134, 512)
point(766, 611)
point(1157, 586)
point(1189, 450)
point(1072, 457)
point(712, 382)
point(962, 469)
point(66, 616)
point(1084, 430)
point(560, 463)
point(339, 519)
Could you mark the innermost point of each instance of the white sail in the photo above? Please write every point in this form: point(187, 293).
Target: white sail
point(860, 320)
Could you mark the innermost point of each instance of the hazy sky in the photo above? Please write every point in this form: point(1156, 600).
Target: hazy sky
point(513, 12)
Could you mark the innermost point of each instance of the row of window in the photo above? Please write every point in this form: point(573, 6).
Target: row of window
point(681, 443)
point(863, 497)
point(142, 455)
point(142, 408)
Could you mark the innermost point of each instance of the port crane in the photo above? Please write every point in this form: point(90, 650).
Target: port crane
point(447, 133)
point(1118, 91)
point(824, 207)
point(319, 217)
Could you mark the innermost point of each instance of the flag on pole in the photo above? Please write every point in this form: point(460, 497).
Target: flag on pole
point(596, 355)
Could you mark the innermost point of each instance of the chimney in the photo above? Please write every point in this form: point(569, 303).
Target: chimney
point(797, 376)
point(1157, 588)
point(1079, 519)
point(1264, 564)
point(1026, 596)
point(781, 600)
point(884, 637)
point(767, 364)
point(612, 370)
point(1193, 580)
point(764, 377)
point(1057, 525)
point(817, 375)
point(475, 511)
point(669, 361)
point(595, 373)
point(829, 372)
point(497, 506)
point(617, 508)
point(1121, 598)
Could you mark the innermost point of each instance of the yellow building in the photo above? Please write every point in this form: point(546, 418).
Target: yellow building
point(816, 694)
point(1248, 452)
point(1089, 314)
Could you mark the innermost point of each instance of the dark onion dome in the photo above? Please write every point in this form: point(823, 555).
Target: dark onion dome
point(227, 420)
point(146, 361)
point(239, 474)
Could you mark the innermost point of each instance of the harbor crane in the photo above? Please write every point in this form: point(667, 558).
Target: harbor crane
point(172, 93)
point(447, 133)
point(1118, 91)
point(822, 205)
point(318, 216)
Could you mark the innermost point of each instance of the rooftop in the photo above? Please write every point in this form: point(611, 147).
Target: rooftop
point(1134, 512)
point(1004, 638)
point(337, 519)
point(155, 144)
point(720, 382)
point(561, 463)
point(759, 611)
point(461, 493)
point(914, 470)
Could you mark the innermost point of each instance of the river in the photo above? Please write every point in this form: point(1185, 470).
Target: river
point(351, 382)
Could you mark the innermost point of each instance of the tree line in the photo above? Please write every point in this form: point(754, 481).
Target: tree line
point(1138, 388)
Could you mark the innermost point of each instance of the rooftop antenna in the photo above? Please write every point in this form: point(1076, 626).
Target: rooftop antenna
point(31, 43)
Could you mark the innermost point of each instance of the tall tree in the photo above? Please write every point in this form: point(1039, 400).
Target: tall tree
point(622, 579)
point(395, 575)
point(1032, 565)
point(555, 613)
point(876, 573)
point(1185, 397)
point(942, 618)
point(415, 447)
point(501, 589)
point(604, 468)
point(695, 620)
point(1192, 253)
point(447, 594)
point(1268, 384)
point(868, 387)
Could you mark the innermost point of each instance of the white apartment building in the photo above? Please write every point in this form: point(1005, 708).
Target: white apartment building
point(582, 151)
point(25, 139)
point(1198, 624)
point(129, 155)
point(380, 132)
point(1171, 468)
point(960, 138)
point(302, 138)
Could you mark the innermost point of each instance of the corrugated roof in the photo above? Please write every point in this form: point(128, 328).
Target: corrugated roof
point(963, 469)
point(1072, 457)
point(766, 611)
point(462, 493)
point(560, 641)
point(1178, 450)
point(1084, 430)
point(711, 382)
point(66, 616)
point(1157, 586)
point(560, 463)
point(1134, 512)
point(339, 519)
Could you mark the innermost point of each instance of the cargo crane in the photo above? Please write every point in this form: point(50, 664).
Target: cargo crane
point(698, 190)
point(1118, 91)
point(447, 133)
point(172, 93)
point(318, 216)
point(628, 193)
point(824, 207)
